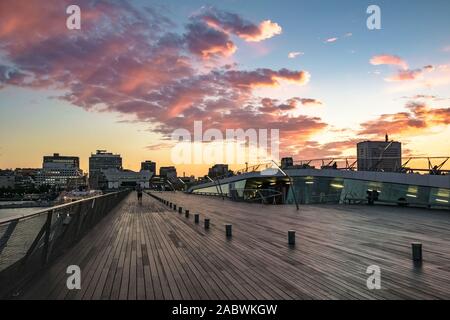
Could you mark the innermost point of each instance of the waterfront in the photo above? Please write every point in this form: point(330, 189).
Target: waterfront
point(18, 212)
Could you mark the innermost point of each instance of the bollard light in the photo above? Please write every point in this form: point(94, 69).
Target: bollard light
point(291, 237)
point(416, 251)
point(228, 230)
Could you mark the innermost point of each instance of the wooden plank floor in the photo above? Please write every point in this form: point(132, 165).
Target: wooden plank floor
point(151, 252)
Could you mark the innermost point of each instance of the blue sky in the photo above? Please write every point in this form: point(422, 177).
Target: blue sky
point(353, 92)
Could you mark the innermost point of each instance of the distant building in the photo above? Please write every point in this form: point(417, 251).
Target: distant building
point(114, 178)
point(218, 170)
point(168, 172)
point(7, 179)
point(61, 171)
point(379, 155)
point(148, 166)
point(61, 162)
point(99, 161)
point(287, 162)
point(25, 177)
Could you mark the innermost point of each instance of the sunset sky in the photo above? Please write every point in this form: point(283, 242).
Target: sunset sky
point(138, 70)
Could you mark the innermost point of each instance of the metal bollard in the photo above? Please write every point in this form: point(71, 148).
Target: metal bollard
point(206, 223)
point(416, 251)
point(196, 218)
point(180, 209)
point(228, 230)
point(175, 207)
point(291, 237)
point(186, 213)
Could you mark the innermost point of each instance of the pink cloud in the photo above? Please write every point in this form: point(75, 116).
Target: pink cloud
point(389, 60)
point(155, 77)
point(405, 75)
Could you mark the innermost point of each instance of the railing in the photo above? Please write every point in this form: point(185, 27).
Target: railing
point(408, 164)
point(29, 243)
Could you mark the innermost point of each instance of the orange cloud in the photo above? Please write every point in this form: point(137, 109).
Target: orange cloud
point(416, 119)
point(266, 29)
point(232, 23)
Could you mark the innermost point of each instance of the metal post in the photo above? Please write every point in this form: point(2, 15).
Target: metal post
point(48, 225)
point(186, 213)
point(196, 218)
point(206, 223)
point(175, 207)
point(416, 251)
point(180, 210)
point(228, 230)
point(291, 237)
point(291, 181)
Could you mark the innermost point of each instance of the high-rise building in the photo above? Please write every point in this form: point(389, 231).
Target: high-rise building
point(148, 166)
point(168, 172)
point(218, 170)
point(379, 155)
point(99, 161)
point(61, 171)
point(61, 162)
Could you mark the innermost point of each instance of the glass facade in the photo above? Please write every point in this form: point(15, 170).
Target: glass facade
point(310, 190)
point(315, 190)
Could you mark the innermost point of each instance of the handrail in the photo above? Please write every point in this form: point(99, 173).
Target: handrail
point(30, 243)
point(43, 211)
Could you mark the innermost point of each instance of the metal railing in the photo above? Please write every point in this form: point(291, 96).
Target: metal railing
point(407, 164)
point(30, 243)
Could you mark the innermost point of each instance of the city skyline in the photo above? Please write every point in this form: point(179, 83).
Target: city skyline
point(136, 71)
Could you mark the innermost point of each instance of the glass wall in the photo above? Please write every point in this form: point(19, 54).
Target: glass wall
point(311, 190)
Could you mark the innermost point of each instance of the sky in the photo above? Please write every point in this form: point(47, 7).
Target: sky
point(138, 70)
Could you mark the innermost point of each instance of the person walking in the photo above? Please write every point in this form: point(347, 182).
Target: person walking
point(139, 193)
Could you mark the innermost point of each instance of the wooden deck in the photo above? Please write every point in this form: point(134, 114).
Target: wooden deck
point(151, 252)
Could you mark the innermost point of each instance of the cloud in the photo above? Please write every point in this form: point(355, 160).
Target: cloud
point(408, 75)
point(232, 23)
point(389, 60)
point(421, 96)
point(418, 118)
point(310, 102)
point(208, 42)
point(329, 40)
point(126, 62)
point(405, 75)
point(294, 54)
point(307, 150)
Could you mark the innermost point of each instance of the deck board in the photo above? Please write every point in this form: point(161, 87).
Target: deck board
point(149, 251)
